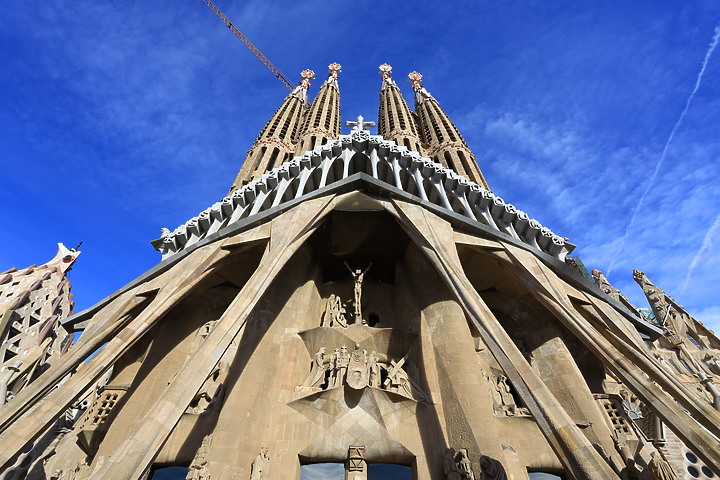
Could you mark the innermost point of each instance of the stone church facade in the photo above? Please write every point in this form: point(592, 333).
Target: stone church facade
point(361, 300)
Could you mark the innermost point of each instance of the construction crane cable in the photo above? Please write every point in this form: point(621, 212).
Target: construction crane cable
point(249, 44)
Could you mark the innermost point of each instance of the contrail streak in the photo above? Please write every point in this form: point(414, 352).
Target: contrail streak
point(649, 184)
point(707, 243)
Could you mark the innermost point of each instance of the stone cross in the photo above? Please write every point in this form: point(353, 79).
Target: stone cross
point(359, 125)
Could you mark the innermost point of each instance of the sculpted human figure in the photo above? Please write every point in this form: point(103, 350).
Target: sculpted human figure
point(343, 360)
point(660, 467)
point(334, 312)
point(464, 466)
point(374, 370)
point(450, 468)
point(259, 468)
point(492, 469)
point(317, 371)
point(508, 401)
point(358, 276)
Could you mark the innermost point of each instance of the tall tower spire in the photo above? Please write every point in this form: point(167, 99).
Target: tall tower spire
point(276, 142)
point(395, 121)
point(323, 120)
point(446, 145)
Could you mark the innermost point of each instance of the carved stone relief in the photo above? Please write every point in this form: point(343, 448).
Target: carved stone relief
point(260, 466)
point(358, 370)
point(492, 469)
point(456, 465)
point(211, 393)
point(198, 468)
point(504, 404)
point(334, 313)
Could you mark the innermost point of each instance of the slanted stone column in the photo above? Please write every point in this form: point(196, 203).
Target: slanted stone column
point(356, 466)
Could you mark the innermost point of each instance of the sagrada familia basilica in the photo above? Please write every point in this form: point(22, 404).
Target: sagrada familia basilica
point(359, 304)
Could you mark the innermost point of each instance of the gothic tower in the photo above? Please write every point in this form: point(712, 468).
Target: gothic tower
point(395, 120)
point(322, 122)
point(364, 310)
point(276, 142)
point(444, 143)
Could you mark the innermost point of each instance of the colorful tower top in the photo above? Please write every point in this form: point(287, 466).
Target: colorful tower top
point(333, 70)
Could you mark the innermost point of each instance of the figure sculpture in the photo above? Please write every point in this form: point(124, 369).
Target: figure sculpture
point(660, 467)
point(334, 313)
point(464, 466)
point(198, 468)
point(450, 468)
point(358, 276)
point(260, 466)
point(343, 360)
point(508, 401)
point(317, 372)
point(492, 469)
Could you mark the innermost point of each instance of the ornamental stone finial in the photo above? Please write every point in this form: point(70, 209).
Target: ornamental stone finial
point(416, 79)
point(306, 75)
point(360, 124)
point(334, 69)
point(385, 70)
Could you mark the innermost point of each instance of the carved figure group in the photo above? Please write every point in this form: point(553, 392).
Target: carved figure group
point(198, 468)
point(334, 313)
point(358, 369)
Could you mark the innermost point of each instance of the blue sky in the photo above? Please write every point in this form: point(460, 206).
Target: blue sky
point(119, 118)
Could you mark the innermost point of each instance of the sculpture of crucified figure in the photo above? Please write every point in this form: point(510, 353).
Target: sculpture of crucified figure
point(358, 276)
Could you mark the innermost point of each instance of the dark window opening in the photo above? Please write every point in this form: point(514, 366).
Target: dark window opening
point(169, 473)
point(373, 319)
point(389, 471)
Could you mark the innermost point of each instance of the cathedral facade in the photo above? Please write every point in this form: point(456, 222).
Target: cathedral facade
point(365, 305)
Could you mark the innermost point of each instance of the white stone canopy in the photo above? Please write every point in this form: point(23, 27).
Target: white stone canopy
point(382, 159)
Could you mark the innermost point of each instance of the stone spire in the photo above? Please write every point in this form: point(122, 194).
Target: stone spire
point(276, 142)
point(323, 120)
point(444, 143)
point(33, 301)
point(395, 120)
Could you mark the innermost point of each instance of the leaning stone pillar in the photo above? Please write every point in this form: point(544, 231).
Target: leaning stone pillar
point(356, 466)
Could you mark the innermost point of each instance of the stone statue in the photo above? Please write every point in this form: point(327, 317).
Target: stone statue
point(374, 370)
point(211, 391)
point(492, 469)
point(450, 468)
point(334, 313)
point(507, 406)
point(660, 467)
point(343, 360)
point(464, 466)
point(198, 468)
point(333, 381)
point(604, 285)
point(317, 371)
point(358, 276)
point(260, 466)
point(357, 370)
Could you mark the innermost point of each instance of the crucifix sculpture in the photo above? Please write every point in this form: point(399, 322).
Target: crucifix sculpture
point(358, 276)
point(359, 125)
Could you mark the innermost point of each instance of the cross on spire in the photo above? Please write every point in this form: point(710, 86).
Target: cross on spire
point(359, 125)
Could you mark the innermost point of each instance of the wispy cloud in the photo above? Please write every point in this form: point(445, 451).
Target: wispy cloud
point(651, 181)
point(707, 243)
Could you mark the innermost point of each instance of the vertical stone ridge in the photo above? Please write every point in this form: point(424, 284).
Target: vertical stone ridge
point(276, 142)
point(395, 120)
point(444, 143)
point(322, 122)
